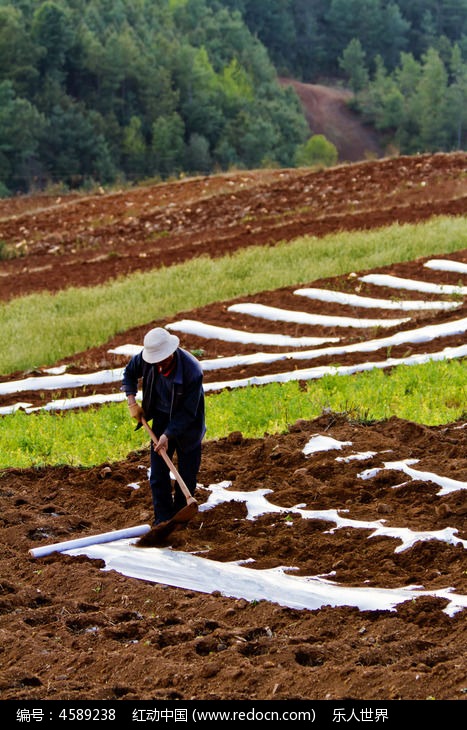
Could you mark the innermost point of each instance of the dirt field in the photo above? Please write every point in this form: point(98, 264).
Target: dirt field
point(73, 631)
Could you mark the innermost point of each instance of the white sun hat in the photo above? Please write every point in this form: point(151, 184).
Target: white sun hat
point(159, 344)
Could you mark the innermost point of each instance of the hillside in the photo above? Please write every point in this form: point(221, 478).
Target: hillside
point(82, 240)
point(367, 522)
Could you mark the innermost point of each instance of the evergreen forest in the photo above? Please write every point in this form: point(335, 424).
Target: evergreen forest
point(111, 91)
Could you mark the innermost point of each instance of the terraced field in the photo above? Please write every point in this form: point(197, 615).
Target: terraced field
point(327, 563)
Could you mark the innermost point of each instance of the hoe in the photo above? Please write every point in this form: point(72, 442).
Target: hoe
point(158, 533)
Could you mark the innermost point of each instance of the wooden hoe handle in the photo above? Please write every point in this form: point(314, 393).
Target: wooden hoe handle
point(188, 496)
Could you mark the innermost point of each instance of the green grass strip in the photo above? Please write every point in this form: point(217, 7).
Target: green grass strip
point(365, 397)
point(40, 329)
point(104, 435)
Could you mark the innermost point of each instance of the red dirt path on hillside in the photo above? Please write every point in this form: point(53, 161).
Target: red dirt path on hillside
point(327, 112)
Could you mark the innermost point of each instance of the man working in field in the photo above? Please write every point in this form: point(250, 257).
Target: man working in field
point(173, 397)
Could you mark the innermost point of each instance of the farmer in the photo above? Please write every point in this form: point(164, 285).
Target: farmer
point(173, 397)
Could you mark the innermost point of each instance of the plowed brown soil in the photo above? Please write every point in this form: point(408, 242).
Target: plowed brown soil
point(72, 631)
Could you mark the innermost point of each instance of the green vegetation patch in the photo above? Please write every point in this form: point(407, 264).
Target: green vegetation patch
point(97, 436)
point(41, 329)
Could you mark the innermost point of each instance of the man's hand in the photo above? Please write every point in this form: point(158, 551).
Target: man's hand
point(162, 443)
point(136, 411)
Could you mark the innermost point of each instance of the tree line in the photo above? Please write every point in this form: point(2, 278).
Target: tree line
point(406, 60)
point(306, 38)
point(419, 106)
point(108, 90)
point(102, 91)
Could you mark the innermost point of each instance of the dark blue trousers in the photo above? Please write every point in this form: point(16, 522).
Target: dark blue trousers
point(167, 501)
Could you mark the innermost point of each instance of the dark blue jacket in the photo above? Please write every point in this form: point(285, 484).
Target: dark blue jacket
point(187, 413)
